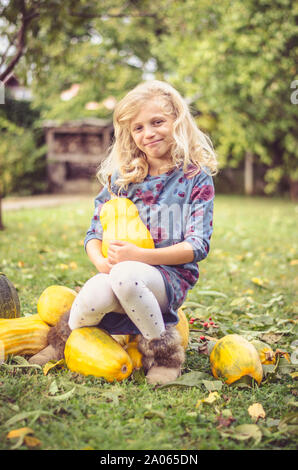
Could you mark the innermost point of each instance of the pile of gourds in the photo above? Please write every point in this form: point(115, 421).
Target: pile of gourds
point(88, 350)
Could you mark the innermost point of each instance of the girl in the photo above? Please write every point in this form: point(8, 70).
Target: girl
point(164, 164)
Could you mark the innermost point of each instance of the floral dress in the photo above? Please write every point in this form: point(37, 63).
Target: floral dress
point(175, 207)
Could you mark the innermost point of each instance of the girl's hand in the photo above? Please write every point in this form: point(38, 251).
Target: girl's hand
point(122, 251)
point(104, 266)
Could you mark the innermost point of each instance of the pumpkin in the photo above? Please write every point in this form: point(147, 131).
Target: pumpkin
point(120, 220)
point(54, 302)
point(24, 335)
point(9, 300)
point(92, 351)
point(134, 354)
point(265, 352)
point(233, 357)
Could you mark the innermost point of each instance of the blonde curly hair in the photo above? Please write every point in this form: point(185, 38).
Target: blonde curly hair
point(191, 147)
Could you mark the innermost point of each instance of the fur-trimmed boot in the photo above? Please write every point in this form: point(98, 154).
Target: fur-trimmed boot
point(162, 357)
point(57, 338)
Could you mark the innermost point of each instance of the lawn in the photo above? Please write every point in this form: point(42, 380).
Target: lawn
point(247, 286)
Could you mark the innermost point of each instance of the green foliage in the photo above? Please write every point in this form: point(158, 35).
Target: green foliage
point(237, 60)
point(234, 61)
point(22, 165)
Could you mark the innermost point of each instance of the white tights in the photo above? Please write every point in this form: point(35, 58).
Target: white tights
point(133, 288)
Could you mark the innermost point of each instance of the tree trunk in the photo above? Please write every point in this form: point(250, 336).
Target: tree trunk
point(293, 190)
point(248, 174)
point(1, 224)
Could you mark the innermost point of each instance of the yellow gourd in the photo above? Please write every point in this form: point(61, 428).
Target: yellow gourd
point(23, 336)
point(183, 328)
point(233, 357)
point(265, 352)
point(120, 220)
point(134, 354)
point(91, 351)
point(54, 302)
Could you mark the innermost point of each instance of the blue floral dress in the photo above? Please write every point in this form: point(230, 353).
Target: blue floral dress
point(175, 207)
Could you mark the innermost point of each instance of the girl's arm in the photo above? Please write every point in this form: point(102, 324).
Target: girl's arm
point(180, 253)
point(93, 249)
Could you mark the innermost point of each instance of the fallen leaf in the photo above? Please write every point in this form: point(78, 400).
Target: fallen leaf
point(19, 432)
point(212, 397)
point(63, 396)
point(248, 431)
point(256, 411)
point(20, 435)
point(225, 419)
point(52, 364)
point(73, 265)
point(244, 432)
point(285, 354)
point(271, 338)
point(191, 379)
point(31, 441)
point(212, 385)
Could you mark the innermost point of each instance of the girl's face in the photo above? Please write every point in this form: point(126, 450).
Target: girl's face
point(152, 132)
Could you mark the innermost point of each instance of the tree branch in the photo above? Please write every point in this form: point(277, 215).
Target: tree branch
point(21, 41)
point(140, 14)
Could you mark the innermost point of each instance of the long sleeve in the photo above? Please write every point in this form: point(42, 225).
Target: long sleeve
point(199, 223)
point(95, 230)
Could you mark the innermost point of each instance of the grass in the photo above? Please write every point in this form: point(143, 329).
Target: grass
point(247, 286)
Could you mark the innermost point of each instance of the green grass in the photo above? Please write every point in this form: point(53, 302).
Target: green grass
point(247, 285)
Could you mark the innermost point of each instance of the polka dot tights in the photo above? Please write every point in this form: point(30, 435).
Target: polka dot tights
point(131, 287)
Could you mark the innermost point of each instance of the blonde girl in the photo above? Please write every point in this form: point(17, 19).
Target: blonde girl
point(164, 164)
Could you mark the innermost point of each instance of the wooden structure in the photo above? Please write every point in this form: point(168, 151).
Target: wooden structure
point(74, 151)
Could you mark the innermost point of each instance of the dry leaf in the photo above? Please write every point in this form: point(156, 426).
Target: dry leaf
point(285, 354)
point(31, 441)
point(212, 397)
point(271, 338)
point(225, 419)
point(256, 411)
point(19, 432)
point(51, 364)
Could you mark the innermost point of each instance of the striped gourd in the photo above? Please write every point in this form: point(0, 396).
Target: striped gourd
point(23, 336)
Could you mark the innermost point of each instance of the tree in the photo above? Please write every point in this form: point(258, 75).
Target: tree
point(58, 43)
point(238, 60)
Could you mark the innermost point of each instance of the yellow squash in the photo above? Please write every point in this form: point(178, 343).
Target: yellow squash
point(183, 328)
point(91, 351)
point(134, 354)
point(120, 220)
point(233, 357)
point(54, 302)
point(24, 335)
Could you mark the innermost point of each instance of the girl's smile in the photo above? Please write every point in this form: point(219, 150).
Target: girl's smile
point(152, 132)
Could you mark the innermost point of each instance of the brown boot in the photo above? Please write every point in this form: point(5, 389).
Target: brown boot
point(162, 357)
point(57, 338)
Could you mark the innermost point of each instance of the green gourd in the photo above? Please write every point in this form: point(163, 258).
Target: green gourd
point(9, 300)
